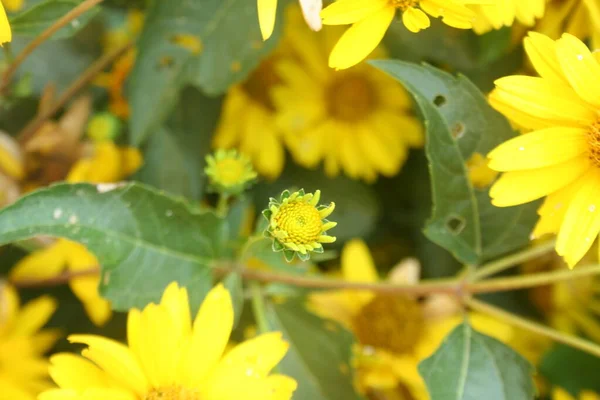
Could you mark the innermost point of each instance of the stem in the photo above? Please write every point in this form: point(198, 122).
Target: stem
point(8, 54)
point(573, 341)
point(75, 87)
point(258, 307)
point(42, 37)
point(223, 205)
point(511, 260)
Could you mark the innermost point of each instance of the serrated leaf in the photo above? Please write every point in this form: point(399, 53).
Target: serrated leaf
point(174, 154)
point(142, 238)
point(319, 355)
point(230, 45)
point(459, 123)
point(38, 18)
point(472, 366)
point(233, 283)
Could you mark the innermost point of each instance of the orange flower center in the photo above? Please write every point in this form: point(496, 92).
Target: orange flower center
point(172, 393)
point(351, 97)
point(594, 143)
point(393, 323)
point(404, 4)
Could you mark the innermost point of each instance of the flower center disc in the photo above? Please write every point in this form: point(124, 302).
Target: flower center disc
point(594, 143)
point(229, 171)
point(393, 323)
point(172, 393)
point(351, 97)
point(300, 221)
point(260, 82)
point(404, 4)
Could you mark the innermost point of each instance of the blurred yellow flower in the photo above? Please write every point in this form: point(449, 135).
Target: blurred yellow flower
point(396, 332)
point(66, 256)
point(561, 394)
point(23, 368)
point(580, 18)
point(13, 5)
point(480, 175)
point(5, 31)
point(298, 225)
point(357, 121)
point(106, 163)
point(560, 159)
point(169, 356)
point(370, 20)
point(229, 173)
point(496, 14)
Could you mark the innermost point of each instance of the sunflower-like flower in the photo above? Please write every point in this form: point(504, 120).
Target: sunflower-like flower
point(297, 225)
point(169, 356)
point(64, 255)
point(396, 332)
point(358, 121)
point(23, 368)
point(229, 172)
point(5, 31)
point(560, 158)
point(370, 20)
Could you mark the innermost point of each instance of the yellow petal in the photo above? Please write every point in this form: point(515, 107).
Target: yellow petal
point(518, 187)
point(212, 328)
point(5, 31)
point(40, 264)
point(553, 209)
point(544, 99)
point(282, 387)
point(542, 54)
point(361, 39)
point(581, 69)
point(453, 13)
point(267, 12)
point(115, 359)
point(539, 149)
point(33, 316)
point(70, 371)
point(504, 104)
point(344, 12)
point(357, 263)
point(581, 223)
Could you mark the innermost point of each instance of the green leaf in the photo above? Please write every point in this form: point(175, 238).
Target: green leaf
point(143, 239)
point(472, 366)
point(174, 154)
point(233, 283)
point(319, 355)
point(38, 18)
point(231, 47)
point(459, 123)
point(571, 369)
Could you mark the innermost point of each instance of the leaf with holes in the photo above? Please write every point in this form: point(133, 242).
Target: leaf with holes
point(38, 18)
point(142, 238)
point(460, 124)
point(320, 352)
point(210, 44)
point(472, 366)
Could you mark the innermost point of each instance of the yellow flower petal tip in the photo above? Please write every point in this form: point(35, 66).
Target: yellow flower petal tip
point(171, 356)
point(229, 172)
point(267, 12)
point(297, 225)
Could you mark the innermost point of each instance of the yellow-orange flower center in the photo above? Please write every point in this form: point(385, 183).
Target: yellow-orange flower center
point(404, 4)
point(172, 393)
point(351, 97)
point(300, 221)
point(593, 137)
point(230, 171)
point(393, 323)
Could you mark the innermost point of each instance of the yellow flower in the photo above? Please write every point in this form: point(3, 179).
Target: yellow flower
point(169, 356)
point(394, 332)
point(107, 163)
point(103, 126)
point(580, 18)
point(23, 368)
point(61, 256)
point(560, 159)
point(496, 14)
point(5, 31)
point(561, 394)
point(357, 121)
point(370, 20)
point(13, 5)
point(229, 172)
point(297, 225)
point(248, 121)
point(480, 175)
